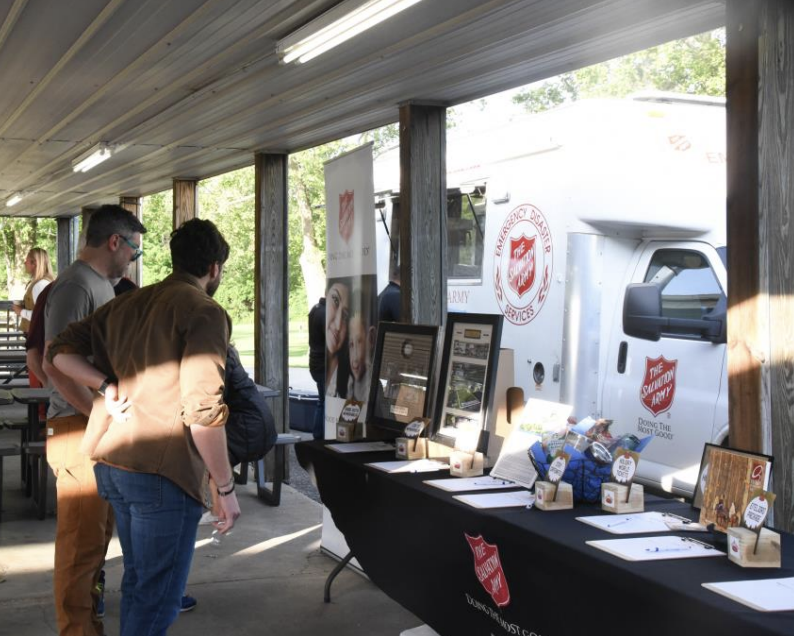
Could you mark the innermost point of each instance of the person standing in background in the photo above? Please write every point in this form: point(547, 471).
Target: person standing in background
point(317, 363)
point(389, 301)
point(37, 265)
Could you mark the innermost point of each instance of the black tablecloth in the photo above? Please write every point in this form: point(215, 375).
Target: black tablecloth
point(411, 539)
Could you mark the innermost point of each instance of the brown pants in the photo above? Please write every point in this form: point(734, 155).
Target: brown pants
point(84, 529)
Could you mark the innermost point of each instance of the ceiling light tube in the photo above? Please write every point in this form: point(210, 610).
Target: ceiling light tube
point(96, 155)
point(336, 26)
point(14, 199)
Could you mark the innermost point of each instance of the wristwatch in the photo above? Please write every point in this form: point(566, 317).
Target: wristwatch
point(103, 387)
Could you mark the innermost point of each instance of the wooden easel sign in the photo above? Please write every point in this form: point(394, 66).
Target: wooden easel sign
point(752, 545)
point(553, 493)
point(348, 427)
point(412, 445)
point(622, 495)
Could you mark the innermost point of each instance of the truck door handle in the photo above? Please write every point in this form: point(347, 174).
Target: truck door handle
point(622, 353)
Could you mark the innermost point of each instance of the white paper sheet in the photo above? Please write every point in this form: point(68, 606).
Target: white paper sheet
point(498, 499)
point(769, 595)
point(360, 447)
point(415, 466)
point(655, 548)
point(638, 523)
point(469, 484)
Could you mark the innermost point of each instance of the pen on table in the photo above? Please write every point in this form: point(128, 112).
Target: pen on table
point(619, 523)
point(658, 549)
point(679, 517)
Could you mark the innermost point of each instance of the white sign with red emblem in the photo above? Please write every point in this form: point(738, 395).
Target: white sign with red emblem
point(488, 568)
point(523, 264)
point(658, 386)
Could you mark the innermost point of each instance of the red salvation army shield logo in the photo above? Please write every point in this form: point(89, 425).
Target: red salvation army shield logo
point(523, 264)
point(488, 568)
point(521, 271)
point(346, 215)
point(658, 386)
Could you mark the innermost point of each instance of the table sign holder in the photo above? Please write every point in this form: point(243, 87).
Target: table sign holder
point(466, 464)
point(621, 496)
point(751, 545)
point(412, 445)
point(553, 493)
point(348, 428)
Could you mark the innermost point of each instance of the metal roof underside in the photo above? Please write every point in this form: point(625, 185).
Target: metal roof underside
point(193, 88)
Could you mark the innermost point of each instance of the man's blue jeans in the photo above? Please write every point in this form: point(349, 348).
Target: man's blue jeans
point(156, 522)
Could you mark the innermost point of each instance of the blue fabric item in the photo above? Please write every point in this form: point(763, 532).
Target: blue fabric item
point(583, 473)
point(156, 522)
point(250, 429)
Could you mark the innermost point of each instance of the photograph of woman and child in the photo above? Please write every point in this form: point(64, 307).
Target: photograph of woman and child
point(350, 330)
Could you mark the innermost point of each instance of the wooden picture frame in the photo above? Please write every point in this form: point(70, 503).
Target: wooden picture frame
point(402, 377)
point(468, 375)
point(725, 481)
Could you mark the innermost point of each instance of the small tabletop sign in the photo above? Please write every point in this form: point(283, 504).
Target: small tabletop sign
point(412, 445)
point(756, 512)
point(557, 470)
point(347, 428)
point(624, 467)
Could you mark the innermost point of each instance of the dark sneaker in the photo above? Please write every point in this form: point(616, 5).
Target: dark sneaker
point(100, 592)
point(188, 603)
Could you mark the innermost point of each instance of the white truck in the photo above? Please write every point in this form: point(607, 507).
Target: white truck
point(598, 230)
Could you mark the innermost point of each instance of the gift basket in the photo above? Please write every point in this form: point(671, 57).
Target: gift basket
point(591, 448)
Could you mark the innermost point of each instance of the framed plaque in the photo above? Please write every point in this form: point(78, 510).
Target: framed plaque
point(402, 375)
point(468, 373)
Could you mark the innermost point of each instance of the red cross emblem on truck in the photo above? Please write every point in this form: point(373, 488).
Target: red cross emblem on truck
point(346, 215)
point(488, 568)
point(658, 385)
point(521, 270)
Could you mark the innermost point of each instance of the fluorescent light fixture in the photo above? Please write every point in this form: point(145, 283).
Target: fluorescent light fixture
point(337, 25)
point(93, 157)
point(14, 199)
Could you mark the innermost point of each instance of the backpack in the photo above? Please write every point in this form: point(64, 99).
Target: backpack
point(250, 429)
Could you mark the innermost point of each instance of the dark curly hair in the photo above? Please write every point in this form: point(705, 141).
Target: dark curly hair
point(196, 245)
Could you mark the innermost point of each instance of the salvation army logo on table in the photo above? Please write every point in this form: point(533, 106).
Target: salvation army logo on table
point(523, 263)
point(347, 215)
point(488, 568)
point(658, 385)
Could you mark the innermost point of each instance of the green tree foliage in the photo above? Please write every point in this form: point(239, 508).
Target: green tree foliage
point(228, 201)
point(694, 65)
point(157, 214)
point(17, 237)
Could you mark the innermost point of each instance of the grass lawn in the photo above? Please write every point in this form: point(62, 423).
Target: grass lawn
point(243, 339)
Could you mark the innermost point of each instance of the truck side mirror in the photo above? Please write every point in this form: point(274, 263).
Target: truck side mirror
point(642, 311)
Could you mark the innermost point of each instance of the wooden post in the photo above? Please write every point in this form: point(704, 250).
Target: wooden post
point(271, 327)
point(85, 217)
point(185, 200)
point(423, 213)
point(760, 92)
point(776, 207)
point(68, 232)
point(133, 204)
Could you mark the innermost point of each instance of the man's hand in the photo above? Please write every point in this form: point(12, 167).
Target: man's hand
point(117, 405)
point(228, 513)
point(17, 309)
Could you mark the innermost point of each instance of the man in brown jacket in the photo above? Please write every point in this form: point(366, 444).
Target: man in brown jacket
point(157, 420)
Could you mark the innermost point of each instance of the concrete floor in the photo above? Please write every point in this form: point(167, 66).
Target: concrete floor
point(266, 577)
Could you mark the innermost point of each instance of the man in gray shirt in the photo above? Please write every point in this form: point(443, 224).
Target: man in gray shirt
point(85, 521)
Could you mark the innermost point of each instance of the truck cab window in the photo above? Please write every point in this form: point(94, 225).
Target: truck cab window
point(689, 287)
point(465, 234)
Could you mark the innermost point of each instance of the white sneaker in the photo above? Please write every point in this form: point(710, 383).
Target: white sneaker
point(207, 518)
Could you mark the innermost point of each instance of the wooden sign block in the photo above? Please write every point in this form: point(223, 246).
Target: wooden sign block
point(741, 545)
point(408, 448)
point(464, 464)
point(613, 498)
point(544, 496)
point(349, 431)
